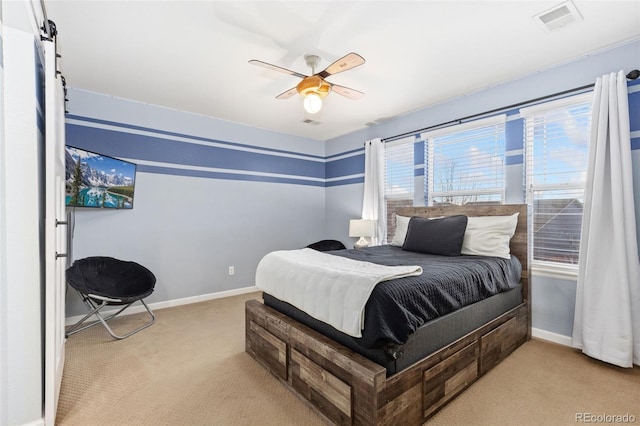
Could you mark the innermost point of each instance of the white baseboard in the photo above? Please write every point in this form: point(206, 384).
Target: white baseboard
point(551, 337)
point(38, 422)
point(535, 332)
point(171, 303)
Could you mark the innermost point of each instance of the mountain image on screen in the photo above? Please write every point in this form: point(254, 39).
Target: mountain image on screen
point(96, 180)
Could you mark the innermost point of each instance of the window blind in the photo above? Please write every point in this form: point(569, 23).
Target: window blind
point(399, 179)
point(465, 163)
point(556, 153)
point(399, 166)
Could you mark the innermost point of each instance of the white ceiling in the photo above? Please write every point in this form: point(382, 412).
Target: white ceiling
point(193, 55)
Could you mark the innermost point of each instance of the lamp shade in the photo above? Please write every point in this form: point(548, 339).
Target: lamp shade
point(362, 228)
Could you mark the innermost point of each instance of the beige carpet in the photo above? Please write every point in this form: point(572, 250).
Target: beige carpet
point(190, 368)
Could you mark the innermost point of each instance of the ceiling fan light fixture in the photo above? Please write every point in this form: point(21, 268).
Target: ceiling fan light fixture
point(313, 89)
point(312, 103)
point(313, 84)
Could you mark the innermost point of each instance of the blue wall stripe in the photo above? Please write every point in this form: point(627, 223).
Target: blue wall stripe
point(634, 111)
point(635, 143)
point(514, 134)
point(141, 147)
point(227, 176)
point(513, 159)
point(124, 126)
point(512, 114)
point(418, 153)
point(345, 166)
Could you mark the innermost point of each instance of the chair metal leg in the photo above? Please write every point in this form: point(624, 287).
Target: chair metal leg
point(95, 310)
point(142, 327)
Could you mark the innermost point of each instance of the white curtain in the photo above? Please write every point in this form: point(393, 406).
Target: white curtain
point(607, 315)
point(373, 206)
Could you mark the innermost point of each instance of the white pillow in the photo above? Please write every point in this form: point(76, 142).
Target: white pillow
point(489, 235)
point(402, 224)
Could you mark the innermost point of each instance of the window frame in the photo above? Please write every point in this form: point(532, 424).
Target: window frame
point(554, 269)
point(429, 139)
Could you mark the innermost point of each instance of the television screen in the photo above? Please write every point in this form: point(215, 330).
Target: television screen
point(96, 180)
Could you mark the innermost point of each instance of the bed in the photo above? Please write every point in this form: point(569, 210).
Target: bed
point(349, 381)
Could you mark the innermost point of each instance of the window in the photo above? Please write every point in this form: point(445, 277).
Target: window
point(556, 149)
point(461, 164)
point(400, 182)
point(465, 163)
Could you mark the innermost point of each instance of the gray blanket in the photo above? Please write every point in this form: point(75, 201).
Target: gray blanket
point(397, 308)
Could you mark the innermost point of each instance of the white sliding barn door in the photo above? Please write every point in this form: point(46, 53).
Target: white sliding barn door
point(55, 233)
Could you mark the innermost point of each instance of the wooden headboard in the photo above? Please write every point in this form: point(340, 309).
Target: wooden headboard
point(519, 243)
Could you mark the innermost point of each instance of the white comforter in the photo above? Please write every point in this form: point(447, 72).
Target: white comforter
point(330, 288)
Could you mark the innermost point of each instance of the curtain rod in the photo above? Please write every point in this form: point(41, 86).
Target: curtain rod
point(632, 75)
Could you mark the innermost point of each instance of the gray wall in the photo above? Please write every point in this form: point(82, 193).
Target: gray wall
point(188, 229)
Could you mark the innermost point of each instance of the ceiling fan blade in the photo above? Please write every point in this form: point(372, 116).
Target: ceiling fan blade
point(289, 93)
point(345, 63)
point(275, 68)
point(347, 92)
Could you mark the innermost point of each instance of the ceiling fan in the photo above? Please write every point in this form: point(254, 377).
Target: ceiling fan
point(314, 88)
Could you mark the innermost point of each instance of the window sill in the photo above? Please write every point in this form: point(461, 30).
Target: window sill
point(554, 270)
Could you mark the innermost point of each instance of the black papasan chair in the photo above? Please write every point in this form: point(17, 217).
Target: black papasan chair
point(327, 245)
point(106, 281)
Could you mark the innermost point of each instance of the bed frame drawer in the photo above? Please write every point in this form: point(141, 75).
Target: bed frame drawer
point(500, 342)
point(324, 390)
point(450, 377)
point(269, 350)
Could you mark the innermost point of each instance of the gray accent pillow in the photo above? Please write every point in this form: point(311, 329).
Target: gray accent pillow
point(442, 236)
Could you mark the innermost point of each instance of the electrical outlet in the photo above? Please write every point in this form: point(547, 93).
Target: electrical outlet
point(232, 270)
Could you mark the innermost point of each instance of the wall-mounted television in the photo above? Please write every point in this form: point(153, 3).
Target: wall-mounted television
point(96, 180)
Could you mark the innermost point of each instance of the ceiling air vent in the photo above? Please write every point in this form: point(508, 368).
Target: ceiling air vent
point(558, 16)
point(310, 121)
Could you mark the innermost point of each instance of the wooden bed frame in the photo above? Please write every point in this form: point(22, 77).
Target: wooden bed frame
point(348, 389)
